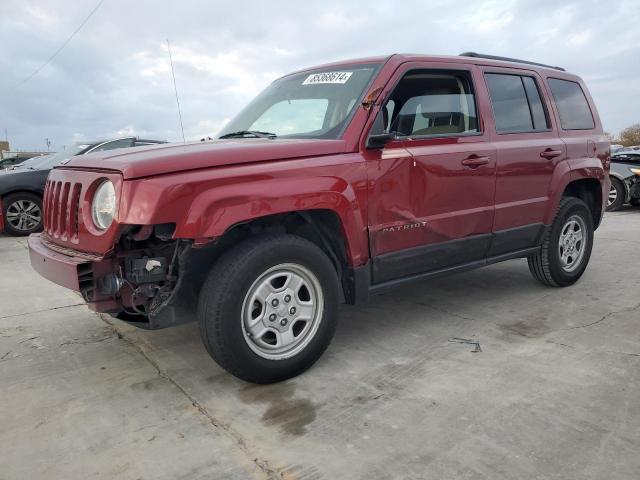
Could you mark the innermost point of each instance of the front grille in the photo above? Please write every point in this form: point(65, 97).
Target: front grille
point(61, 207)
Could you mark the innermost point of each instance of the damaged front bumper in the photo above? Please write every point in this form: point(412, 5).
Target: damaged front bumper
point(143, 288)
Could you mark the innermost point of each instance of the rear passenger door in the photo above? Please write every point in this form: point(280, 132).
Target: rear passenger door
point(528, 152)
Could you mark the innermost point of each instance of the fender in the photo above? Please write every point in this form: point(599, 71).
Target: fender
point(216, 211)
point(617, 175)
point(570, 171)
point(206, 204)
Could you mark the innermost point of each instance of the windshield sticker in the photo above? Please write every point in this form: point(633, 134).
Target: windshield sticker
point(328, 77)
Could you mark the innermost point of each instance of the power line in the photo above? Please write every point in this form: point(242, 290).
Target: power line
point(175, 87)
point(55, 54)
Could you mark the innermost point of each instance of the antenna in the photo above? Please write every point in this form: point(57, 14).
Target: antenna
point(175, 87)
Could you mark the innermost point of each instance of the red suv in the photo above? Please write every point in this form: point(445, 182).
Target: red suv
point(335, 183)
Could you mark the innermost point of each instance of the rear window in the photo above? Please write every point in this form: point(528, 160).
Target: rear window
point(516, 103)
point(573, 107)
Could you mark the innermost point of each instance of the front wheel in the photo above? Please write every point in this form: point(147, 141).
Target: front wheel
point(22, 213)
point(268, 308)
point(566, 246)
point(617, 194)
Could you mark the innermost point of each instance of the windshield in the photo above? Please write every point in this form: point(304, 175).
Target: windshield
point(49, 161)
point(315, 104)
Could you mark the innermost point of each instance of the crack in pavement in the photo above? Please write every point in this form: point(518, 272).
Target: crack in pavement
point(604, 317)
point(40, 311)
point(237, 439)
point(615, 352)
point(87, 341)
point(6, 359)
point(623, 353)
point(619, 240)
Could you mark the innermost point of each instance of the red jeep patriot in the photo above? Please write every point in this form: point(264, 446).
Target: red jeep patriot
point(335, 183)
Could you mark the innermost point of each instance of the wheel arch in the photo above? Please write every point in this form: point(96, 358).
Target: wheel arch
point(322, 227)
point(589, 190)
point(35, 192)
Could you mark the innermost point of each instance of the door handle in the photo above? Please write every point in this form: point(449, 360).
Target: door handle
point(474, 161)
point(550, 153)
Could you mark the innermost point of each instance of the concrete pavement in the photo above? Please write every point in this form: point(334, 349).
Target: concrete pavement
point(554, 393)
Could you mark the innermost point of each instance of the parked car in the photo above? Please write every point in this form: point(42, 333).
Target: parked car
point(21, 187)
point(615, 147)
point(340, 181)
point(11, 161)
point(625, 179)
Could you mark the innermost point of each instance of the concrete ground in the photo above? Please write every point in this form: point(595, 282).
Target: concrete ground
point(554, 393)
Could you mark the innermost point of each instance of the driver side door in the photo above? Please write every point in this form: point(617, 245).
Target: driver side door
point(431, 200)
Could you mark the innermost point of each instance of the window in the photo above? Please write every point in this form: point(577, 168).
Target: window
point(311, 104)
point(291, 117)
point(573, 107)
point(432, 103)
point(126, 142)
point(516, 103)
point(535, 104)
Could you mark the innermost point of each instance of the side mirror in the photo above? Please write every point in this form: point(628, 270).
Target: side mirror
point(379, 140)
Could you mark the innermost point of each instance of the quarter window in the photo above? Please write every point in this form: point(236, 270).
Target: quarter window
point(434, 102)
point(573, 107)
point(516, 103)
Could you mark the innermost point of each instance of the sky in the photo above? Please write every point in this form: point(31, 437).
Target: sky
point(114, 78)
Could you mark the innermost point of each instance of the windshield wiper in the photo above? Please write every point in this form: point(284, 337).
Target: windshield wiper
point(249, 134)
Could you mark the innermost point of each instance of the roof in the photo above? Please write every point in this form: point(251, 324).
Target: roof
point(466, 57)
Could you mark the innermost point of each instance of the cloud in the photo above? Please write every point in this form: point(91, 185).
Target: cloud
point(115, 75)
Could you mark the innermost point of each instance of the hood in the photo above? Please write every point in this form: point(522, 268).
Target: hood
point(169, 158)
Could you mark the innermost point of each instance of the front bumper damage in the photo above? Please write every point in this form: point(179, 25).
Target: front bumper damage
point(634, 187)
point(145, 287)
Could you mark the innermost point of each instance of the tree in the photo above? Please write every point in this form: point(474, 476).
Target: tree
point(630, 135)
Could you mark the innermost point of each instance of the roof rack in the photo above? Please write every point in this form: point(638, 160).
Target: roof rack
point(507, 59)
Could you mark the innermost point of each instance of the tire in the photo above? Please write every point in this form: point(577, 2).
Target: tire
point(242, 288)
point(635, 202)
point(26, 204)
point(548, 266)
point(617, 195)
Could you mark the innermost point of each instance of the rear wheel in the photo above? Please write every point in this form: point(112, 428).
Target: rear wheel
point(22, 213)
point(617, 194)
point(566, 247)
point(268, 308)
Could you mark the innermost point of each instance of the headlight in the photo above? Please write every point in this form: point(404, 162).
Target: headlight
point(103, 207)
point(635, 171)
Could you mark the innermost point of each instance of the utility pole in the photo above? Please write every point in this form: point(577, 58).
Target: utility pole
point(48, 142)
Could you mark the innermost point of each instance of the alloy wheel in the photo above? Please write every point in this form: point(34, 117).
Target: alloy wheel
point(571, 245)
point(24, 215)
point(613, 196)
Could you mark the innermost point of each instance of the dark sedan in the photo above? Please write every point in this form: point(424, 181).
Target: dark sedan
point(625, 179)
point(11, 161)
point(21, 188)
